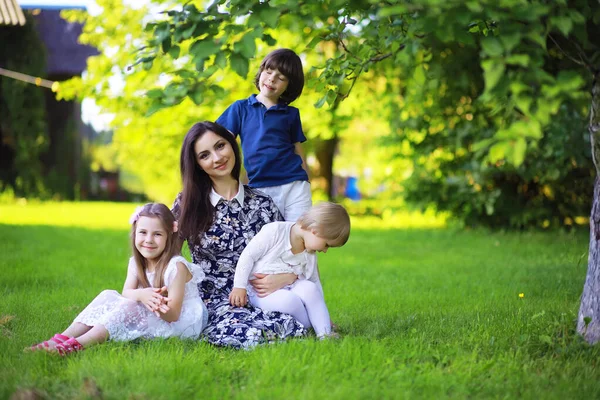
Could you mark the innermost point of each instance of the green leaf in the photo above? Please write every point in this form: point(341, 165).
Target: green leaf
point(492, 46)
point(217, 90)
point(268, 39)
point(518, 87)
point(221, 60)
point(199, 63)
point(510, 40)
point(564, 24)
point(204, 48)
point(246, 46)
point(175, 89)
point(474, 6)
point(519, 150)
point(392, 10)
point(498, 151)
point(197, 96)
point(313, 42)
point(546, 108)
point(419, 75)
point(239, 64)
point(154, 107)
point(162, 32)
point(166, 44)
point(174, 52)
point(154, 93)
point(482, 145)
point(331, 96)
point(576, 17)
point(538, 38)
point(187, 33)
point(518, 59)
point(185, 74)
point(523, 103)
point(530, 129)
point(270, 16)
point(320, 102)
point(569, 81)
point(493, 70)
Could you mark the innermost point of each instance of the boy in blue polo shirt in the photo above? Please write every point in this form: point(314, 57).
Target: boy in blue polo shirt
point(271, 133)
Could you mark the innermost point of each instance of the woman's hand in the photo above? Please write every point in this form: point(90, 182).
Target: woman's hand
point(238, 298)
point(267, 284)
point(153, 299)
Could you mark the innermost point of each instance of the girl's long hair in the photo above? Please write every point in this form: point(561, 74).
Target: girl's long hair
point(162, 212)
point(197, 213)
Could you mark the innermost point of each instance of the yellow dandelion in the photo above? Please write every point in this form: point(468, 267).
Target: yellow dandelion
point(521, 295)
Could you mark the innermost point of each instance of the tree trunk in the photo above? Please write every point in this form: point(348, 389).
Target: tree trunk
point(588, 321)
point(325, 154)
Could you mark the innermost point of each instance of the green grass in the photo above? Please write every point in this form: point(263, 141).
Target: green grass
point(425, 312)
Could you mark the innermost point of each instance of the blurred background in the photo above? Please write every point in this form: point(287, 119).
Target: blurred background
point(435, 127)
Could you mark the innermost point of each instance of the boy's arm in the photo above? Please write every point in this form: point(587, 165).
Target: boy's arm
point(298, 150)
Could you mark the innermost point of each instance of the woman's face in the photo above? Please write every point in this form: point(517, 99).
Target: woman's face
point(214, 155)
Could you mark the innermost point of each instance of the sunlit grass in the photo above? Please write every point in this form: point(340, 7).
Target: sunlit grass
point(91, 215)
point(424, 312)
point(94, 215)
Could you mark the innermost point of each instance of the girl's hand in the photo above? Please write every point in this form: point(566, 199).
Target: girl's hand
point(267, 284)
point(153, 300)
point(163, 308)
point(238, 298)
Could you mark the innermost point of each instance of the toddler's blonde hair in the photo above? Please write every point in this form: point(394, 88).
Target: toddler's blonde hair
point(329, 221)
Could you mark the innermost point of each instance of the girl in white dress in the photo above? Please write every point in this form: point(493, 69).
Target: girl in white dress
point(160, 296)
point(284, 247)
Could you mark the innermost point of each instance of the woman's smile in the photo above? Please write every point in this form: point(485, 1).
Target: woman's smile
point(214, 154)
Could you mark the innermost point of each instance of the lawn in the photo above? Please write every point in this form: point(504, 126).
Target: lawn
point(424, 311)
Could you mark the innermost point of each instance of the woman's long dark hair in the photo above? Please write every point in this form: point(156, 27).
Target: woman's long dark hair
point(197, 213)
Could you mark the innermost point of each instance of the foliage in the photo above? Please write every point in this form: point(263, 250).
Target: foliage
point(446, 139)
point(474, 88)
point(430, 323)
point(148, 145)
point(23, 128)
point(513, 62)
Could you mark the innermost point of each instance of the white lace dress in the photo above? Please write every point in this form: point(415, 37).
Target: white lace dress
point(127, 320)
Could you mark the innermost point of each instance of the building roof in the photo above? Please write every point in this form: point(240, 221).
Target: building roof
point(65, 55)
point(11, 13)
point(53, 4)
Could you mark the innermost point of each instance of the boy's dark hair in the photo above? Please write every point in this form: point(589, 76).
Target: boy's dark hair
point(290, 65)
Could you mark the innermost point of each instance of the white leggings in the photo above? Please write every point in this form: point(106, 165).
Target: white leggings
point(302, 300)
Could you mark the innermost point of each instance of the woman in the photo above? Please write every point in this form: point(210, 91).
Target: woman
point(218, 216)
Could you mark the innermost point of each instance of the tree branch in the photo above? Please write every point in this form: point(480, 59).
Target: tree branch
point(583, 60)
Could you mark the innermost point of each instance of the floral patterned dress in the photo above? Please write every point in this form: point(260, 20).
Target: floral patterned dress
point(217, 252)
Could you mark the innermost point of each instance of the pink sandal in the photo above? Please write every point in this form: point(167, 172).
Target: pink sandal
point(68, 347)
point(58, 339)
